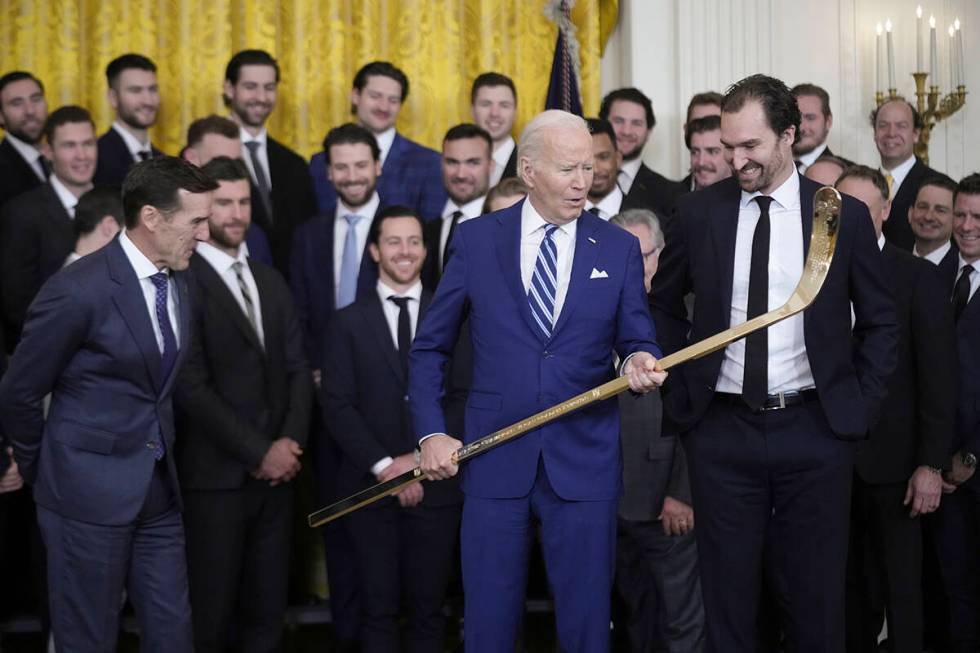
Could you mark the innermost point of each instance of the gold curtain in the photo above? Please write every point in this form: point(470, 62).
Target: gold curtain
point(440, 44)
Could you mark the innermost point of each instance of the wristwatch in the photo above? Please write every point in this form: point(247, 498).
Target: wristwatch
point(968, 459)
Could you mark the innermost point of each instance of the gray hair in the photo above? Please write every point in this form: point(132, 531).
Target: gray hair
point(634, 217)
point(532, 138)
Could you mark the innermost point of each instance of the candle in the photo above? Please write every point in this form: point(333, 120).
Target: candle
point(891, 54)
point(933, 53)
point(918, 39)
point(959, 53)
point(879, 69)
point(953, 72)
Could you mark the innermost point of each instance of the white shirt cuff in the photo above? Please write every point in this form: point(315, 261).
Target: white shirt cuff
point(426, 437)
point(622, 368)
point(381, 465)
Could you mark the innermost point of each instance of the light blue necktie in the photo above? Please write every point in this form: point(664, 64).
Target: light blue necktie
point(544, 283)
point(349, 264)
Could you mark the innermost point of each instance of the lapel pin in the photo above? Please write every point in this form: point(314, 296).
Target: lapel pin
point(592, 240)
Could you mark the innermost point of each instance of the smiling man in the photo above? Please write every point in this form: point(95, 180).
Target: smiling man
point(931, 219)
point(816, 120)
point(493, 100)
point(114, 324)
point(134, 95)
point(708, 164)
point(23, 111)
point(605, 196)
point(768, 422)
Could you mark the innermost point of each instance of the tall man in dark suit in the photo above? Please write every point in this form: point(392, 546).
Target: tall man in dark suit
point(656, 555)
point(631, 115)
point(411, 171)
point(897, 125)
point(23, 111)
point(493, 100)
point(931, 218)
point(958, 519)
point(282, 196)
point(768, 422)
point(550, 292)
point(106, 338)
point(36, 233)
point(245, 396)
point(135, 97)
point(898, 471)
point(815, 124)
point(466, 166)
point(403, 545)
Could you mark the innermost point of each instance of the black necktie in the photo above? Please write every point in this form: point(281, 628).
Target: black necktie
point(799, 164)
point(143, 155)
point(755, 384)
point(457, 214)
point(404, 331)
point(961, 291)
point(594, 211)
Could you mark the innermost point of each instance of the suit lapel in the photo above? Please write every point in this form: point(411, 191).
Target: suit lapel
point(583, 261)
point(374, 315)
point(131, 303)
point(724, 227)
point(508, 245)
point(215, 287)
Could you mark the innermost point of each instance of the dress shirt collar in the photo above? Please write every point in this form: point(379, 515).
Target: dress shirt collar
point(385, 291)
point(609, 205)
point(26, 150)
point(219, 259)
point(532, 221)
point(262, 137)
point(472, 209)
point(881, 242)
point(787, 195)
point(501, 155)
point(962, 262)
point(65, 196)
point(935, 256)
point(899, 173)
point(366, 211)
point(631, 168)
point(143, 266)
point(385, 140)
point(808, 159)
point(133, 145)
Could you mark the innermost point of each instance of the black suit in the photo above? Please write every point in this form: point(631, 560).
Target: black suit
point(653, 191)
point(235, 397)
point(897, 230)
point(365, 407)
point(115, 159)
point(916, 427)
point(432, 268)
point(36, 238)
point(292, 198)
point(510, 170)
point(759, 476)
point(16, 175)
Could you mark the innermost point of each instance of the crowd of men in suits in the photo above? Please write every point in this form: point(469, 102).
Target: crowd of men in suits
point(309, 283)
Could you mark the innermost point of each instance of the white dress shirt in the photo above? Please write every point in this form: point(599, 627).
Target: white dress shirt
point(391, 312)
point(935, 256)
point(974, 276)
point(223, 264)
point(470, 210)
point(385, 140)
point(609, 205)
point(30, 154)
point(65, 196)
point(145, 269)
point(806, 160)
point(361, 229)
point(789, 367)
point(899, 174)
point(628, 172)
point(133, 145)
point(532, 233)
point(262, 138)
point(501, 155)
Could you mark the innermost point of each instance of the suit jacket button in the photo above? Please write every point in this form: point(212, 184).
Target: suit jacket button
point(151, 445)
point(405, 398)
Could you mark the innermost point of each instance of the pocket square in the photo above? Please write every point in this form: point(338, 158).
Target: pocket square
point(598, 274)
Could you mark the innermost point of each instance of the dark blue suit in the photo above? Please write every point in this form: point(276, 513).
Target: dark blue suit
point(411, 176)
point(784, 475)
point(569, 473)
point(108, 510)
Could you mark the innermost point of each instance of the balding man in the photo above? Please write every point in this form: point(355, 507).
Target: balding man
point(550, 291)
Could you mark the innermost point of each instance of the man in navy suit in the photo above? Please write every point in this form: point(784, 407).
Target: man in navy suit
point(412, 174)
point(550, 293)
point(23, 110)
point(135, 97)
point(106, 337)
point(769, 422)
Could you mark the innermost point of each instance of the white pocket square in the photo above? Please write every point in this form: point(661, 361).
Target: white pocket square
point(598, 274)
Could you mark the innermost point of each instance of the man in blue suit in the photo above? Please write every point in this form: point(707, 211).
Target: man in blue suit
point(551, 292)
point(106, 337)
point(411, 174)
point(769, 422)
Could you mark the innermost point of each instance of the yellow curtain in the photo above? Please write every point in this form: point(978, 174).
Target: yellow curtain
point(441, 44)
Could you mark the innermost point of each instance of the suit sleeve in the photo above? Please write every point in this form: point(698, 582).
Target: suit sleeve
point(635, 330)
point(56, 326)
point(875, 325)
point(297, 421)
point(196, 395)
point(670, 285)
point(435, 341)
point(341, 397)
point(934, 350)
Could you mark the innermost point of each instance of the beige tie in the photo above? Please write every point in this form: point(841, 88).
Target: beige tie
point(889, 180)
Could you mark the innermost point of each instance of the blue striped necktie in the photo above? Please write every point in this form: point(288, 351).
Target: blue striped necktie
point(544, 282)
